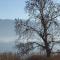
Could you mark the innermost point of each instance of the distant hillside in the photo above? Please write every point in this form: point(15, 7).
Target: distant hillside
point(6, 27)
point(7, 35)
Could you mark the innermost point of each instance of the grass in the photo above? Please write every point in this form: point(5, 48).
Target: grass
point(38, 57)
point(11, 56)
point(8, 56)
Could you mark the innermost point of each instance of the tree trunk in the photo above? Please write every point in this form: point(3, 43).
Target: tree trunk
point(48, 51)
point(45, 36)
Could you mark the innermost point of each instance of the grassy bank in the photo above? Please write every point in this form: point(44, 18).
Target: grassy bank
point(12, 56)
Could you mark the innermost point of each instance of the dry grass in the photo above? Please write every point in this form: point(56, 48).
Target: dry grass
point(8, 56)
point(57, 57)
point(38, 57)
point(11, 56)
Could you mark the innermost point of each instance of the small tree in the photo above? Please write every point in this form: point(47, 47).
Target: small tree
point(43, 21)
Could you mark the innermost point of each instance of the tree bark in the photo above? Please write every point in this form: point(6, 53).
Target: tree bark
point(48, 51)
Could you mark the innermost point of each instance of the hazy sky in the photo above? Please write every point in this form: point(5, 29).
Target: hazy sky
point(10, 9)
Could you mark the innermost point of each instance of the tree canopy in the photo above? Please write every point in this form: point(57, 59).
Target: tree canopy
point(42, 23)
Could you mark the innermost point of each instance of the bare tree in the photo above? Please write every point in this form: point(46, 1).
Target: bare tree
point(43, 20)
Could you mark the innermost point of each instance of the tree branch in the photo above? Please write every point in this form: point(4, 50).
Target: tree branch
point(39, 44)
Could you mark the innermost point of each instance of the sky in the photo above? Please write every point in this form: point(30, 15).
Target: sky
point(10, 9)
